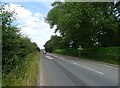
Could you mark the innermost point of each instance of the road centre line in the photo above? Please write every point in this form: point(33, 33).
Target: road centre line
point(85, 67)
point(61, 58)
point(58, 57)
point(88, 68)
point(49, 57)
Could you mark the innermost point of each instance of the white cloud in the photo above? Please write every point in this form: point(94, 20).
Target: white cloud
point(31, 0)
point(32, 25)
point(38, 14)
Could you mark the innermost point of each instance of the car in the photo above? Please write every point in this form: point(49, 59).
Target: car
point(44, 52)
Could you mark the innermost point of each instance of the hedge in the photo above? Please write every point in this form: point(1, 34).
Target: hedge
point(105, 54)
point(71, 52)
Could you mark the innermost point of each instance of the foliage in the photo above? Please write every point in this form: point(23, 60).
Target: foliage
point(71, 52)
point(55, 42)
point(60, 51)
point(104, 54)
point(24, 74)
point(109, 55)
point(15, 47)
point(87, 24)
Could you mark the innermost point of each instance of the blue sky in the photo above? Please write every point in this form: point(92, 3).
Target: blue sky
point(42, 7)
point(31, 19)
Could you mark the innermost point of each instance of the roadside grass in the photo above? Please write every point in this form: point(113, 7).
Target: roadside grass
point(0, 79)
point(24, 74)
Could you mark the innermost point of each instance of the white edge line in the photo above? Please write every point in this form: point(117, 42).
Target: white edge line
point(92, 62)
point(88, 68)
point(110, 66)
point(41, 74)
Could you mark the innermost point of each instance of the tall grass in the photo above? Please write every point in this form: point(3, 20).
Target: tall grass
point(24, 74)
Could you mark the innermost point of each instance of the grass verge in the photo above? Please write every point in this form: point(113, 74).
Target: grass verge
point(24, 74)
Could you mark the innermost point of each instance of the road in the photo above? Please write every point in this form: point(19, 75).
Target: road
point(62, 71)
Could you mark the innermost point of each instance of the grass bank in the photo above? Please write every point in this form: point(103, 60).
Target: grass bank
point(24, 74)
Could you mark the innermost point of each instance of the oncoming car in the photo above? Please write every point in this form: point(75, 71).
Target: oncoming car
point(44, 52)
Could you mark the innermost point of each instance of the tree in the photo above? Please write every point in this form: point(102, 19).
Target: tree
point(15, 47)
point(54, 43)
point(86, 24)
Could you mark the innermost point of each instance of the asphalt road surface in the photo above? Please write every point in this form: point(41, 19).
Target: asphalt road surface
point(61, 71)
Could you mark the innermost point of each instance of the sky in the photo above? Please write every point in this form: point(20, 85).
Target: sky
point(30, 19)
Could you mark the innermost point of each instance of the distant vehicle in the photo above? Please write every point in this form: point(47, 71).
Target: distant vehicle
point(44, 52)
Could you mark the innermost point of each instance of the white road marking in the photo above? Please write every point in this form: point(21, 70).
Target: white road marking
point(61, 58)
point(110, 66)
point(41, 74)
point(75, 63)
point(49, 57)
point(92, 62)
point(58, 57)
point(54, 56)
point(105, 65)
point(88, 68)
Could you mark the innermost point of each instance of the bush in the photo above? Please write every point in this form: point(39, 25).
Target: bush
point(105, 54)
point(60, 51)
point(25, 74)
point(71, 52)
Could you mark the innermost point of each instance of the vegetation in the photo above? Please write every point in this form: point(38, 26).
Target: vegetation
point(54, 43)
point(90, 25)
point(108, 54)
point(25, 74)
point(18, 52)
